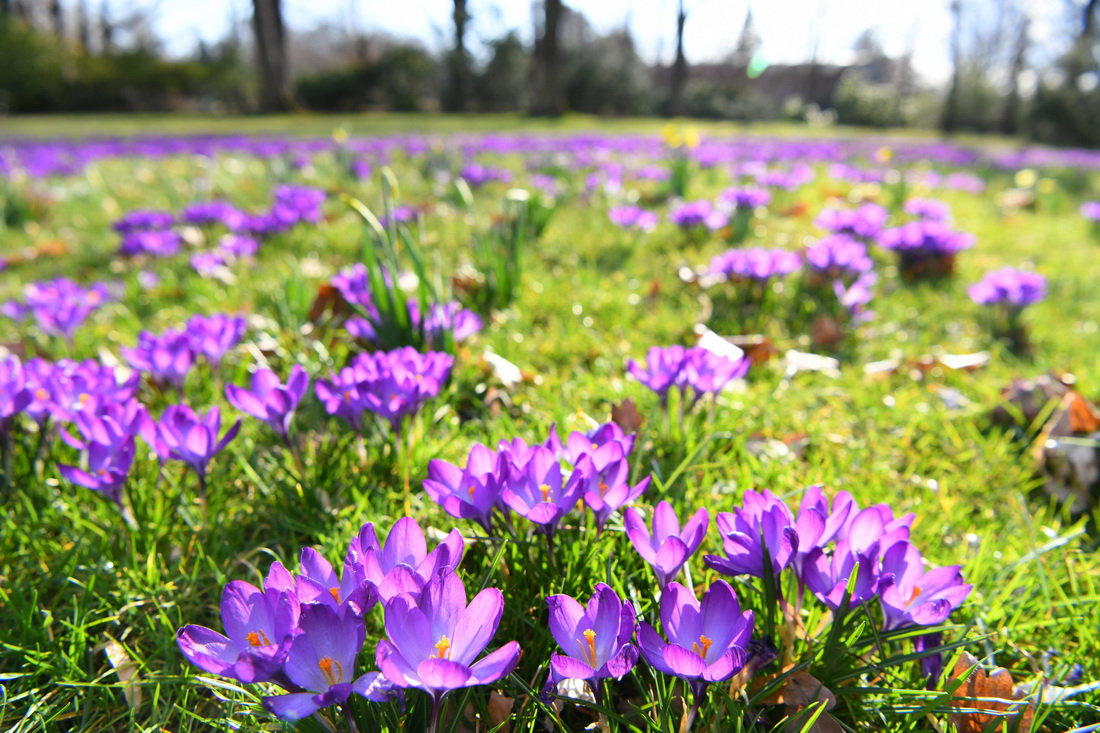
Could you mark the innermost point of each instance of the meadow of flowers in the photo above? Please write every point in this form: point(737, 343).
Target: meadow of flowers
point(542, 431)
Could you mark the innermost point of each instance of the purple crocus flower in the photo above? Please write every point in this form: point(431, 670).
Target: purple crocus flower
point(143, 220)
point(929, 209)
point(403, 563)
point(838, 256)
point(166, 358)
point(321, 661)
point(317, 582)
point(14, 395)
point(663, 366)
point(827, 576)
point(924, 239)
point(911, 595)
point(698, 214)
point(762, 528)
point(746, 198)
point(595, 637)
point(207, 263)
point(156, 243)
point(215, 335)
point(1090, 210)
point(182, 435)
point(668, 547)
point(704, 372)
point(207, 213)
point(754, 264)
point(259, 626)
point(540, 493)
point(606, 490)
point(1010, 287)
point(269, 399)
point(341, 396)
point(633, 217)
point(238, 246)
point(108, 468)
point(864, 222)
point(59, 306)
point(706, 640)
point(470, 492)
point(433, 638)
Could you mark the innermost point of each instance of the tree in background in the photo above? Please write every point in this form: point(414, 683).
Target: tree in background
point(679, 68)
point(457, 94)
point(271, 57)
point(548, 100)
point(949, 119)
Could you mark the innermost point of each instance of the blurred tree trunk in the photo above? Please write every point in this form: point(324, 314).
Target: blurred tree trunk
point(679, 68)
point(5, 7)
point(459, 77)
point(1010, 110)
point(949, 121)
point(1080, 55)
point(55, 19)
point(83, 31)
point(548, 101)
point(267, 24)
point(106, 30)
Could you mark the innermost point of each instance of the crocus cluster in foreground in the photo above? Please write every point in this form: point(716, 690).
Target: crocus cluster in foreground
point(694, 372)
point(304, 633)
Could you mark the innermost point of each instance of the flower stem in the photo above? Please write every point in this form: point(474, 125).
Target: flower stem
point(352, 727)
point(437, 708)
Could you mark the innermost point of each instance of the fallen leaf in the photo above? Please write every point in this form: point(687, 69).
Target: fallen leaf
point(757, 347)
point(509, 375)
point(999, 699)
point(625, 414)
point(802, 689)
point(328, 299)
point(500, 708)
point(126, 670)
point(801, 361)
point(825, 723)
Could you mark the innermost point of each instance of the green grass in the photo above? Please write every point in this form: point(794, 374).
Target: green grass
point(73, 579)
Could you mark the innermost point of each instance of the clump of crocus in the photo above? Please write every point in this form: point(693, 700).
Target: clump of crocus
point(107, 441)
point(928, 209)
point(183, 435)
point(270, 400)
point(749, 280)
point(392, 384)
point(742, 203)
point(433, 639)
point(864, 222)
point(707, 641)
point(155, 243)
point(209, 213)
point(166, 358)
point(925, 248)
point(698, 216)
point(58, 306)
point(1005, 293)
point(14, 395)
point(471, 492)
point(215, 335)
point(693, 372)
point(143, 220)
point(633, 218)
point(321, 662)
point(445, 321)
point(402, 563)
point(668, 547)
point(836, 289)
point(594, 638)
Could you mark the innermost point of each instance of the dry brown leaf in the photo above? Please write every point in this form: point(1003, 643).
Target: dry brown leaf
point(802, 689)
point(500, 707)
point(625, 414)
point(1000, 701)
point(328, 299)
point(1084, 417)
point(825, 333)
point(126, 670)
point(825, 723)
point(757, 348)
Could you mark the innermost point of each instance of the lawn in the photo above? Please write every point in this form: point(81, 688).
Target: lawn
point(93, 592)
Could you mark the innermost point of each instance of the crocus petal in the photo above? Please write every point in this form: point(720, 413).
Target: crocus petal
point(567, 668)
point(443, 674)
point(207, 649)
point(476, 625)
point(374, 686)
point(292, 707)
point(621, 663)
point(683, 662)
point(725, 666)
point(565, 615)
point(652, 647)
point(500, 663)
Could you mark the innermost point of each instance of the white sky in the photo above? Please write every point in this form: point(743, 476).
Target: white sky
point(788, 28)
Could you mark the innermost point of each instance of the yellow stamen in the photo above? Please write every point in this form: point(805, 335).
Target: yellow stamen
point(442, 648)
point(916, 592)
point(257, 638)
point(545, 489)
point(603, 488)
point(41, 395)
point(335, 594)
point(332, 676)
point(589, 652)
point(595, 447)
point(702, 646)
point(83, 398)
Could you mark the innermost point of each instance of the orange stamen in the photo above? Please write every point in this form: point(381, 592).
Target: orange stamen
point(589, 651)
point(335, 594)
point(545, 489)
point(257, 638)
point(442, 648)
point(332, 676)
point(916, 592)
point(702, 646)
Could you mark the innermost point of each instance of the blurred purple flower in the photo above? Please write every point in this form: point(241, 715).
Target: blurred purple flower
point(668, 547)
point(269, 399)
